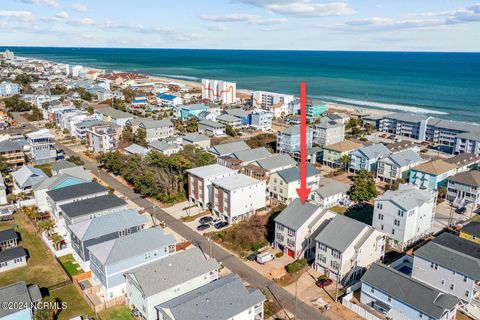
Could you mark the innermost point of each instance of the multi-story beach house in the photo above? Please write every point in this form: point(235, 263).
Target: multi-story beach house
point(296, 227)
point(211, 128)
point(366, 158)
point(451, 265)
point(283, 184)
point(227, 149)
point(261, 119)
point(464, 188)
point(42, 147)
point(25, 178)
point(220, 91)
point(288, 140)
point(157, 129)
point(109, 114)
point(197, 139)
point(110, 260)
point(190, 111)
point(330, 193)
point(168, 100)
point(334, 153)
point(328, 132)
point(433, 174)
point(162, 280)
point(315, 110)
point(400, 297)
point(344, 247)
point(200, 183)
point(236, 197)
point(8, 88)
point(12, 153)
point(265, 100)
point(405, 215)
point(103, 138)
point(397, 165)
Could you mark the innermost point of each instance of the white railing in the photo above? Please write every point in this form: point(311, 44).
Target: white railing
point(359, 310)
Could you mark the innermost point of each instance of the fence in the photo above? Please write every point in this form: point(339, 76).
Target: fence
point(358, 309)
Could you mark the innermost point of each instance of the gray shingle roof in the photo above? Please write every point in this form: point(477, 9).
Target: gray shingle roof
point(330, 187)
point(219, 300)
point(171, 271)
point(136, 149)
point(252, 154)
point(469, 178)
point(408, 197)
point(235, 182)
point(8, 146)
point(8, 234)
point(415, 293)
point(18, 292)
point(100, 226)
point(472, 228)
point(114, 113)
point(276, 161)
point(341, 232)
point(51, 182)
point(296, 214)
point(195, 137)
point(293, 174)
point(210, 123)
point(212, 170)
point(162, 145)
point(92, 205)
point(405, 158)
point(62, 164)
point(76, 191)
point(227, 118)
point(135, 244)
point(28, 176)
point(229, 148)
point(238, 112)
point(151, 124)
point(406, 117)
point(12, 253)
point(375, 151)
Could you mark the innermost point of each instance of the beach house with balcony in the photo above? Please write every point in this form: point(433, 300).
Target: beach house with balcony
point(433, 174)
point(42, 147)
point(366, 158)
point(397, 165)
point(452, 265)
point(334, 153)
point(464, 188)
point(283, 184)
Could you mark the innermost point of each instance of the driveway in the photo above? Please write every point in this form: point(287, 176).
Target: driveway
point(442, 216)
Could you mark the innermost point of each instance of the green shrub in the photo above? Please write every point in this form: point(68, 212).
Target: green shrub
point(258, 245)
point(296, 266)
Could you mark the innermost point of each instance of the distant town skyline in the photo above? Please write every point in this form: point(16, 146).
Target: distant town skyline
point(408, 25)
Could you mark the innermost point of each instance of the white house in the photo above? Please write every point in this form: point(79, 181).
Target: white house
point(400, 297)
point(328, 132)
point(160, 281)
point(330, 193)
point(12, 258)
point(261, 119)
point(200, 182)
point(237, 197)
point(296, 227)
point(452, 265)
point(168, 100)
point(283, 184)
point(345, 247)
point(211, 128)
point(406, 214)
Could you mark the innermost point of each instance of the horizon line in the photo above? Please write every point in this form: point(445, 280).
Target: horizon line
point(237, 49)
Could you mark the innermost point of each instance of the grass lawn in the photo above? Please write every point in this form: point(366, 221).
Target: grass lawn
point(117, 313)
point(364, 214)
point(47, 168)
point(42, 268)
point(76, 306)
point(70, 265)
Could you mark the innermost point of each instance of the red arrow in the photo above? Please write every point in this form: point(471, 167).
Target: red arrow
point(303, 191)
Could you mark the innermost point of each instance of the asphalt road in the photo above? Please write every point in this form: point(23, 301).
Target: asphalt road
point(256, 279)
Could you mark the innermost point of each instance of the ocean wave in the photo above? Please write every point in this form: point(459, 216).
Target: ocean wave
point(175, 76)
point(387, 106)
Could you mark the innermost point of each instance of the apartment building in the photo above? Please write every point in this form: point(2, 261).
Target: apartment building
point(397, 165)
point(296, 227)
point(220, 91)
point(468, 142)
point(400, 297)
point(464, 188)
point(405, 125)
point(200, 183)
point(345, 247)
point(265, 100)
point(237, 197)
point(328, 132)
point(452, 265)
point(405, 215)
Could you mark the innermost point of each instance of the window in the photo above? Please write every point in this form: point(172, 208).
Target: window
point(393, 231)
point(334, 264)
point(381, 227)
point(464, 278)
point(380, 216)
point(372, 290)
point(396, 222)
point(280, 227)
point(389, 298)
point(291, 232)
point(280, 237)
point(322, 258)
point(400, 213)
point(452, 286)
point(443, 281)
point(335, 254)
point(467, 293)
point(322, 247)
point(290, 243)
point(379, 206)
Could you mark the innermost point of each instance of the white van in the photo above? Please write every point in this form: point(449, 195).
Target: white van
point(264, 257)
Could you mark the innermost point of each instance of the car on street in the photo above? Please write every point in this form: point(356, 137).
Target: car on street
point(323, 282)
point(203, 227)
point(220, 225)
point(204, 220)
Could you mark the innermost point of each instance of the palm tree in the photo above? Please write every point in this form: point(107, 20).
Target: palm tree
point(57, 240)
point(442, 192)
point(46, 226)
point(345, 160)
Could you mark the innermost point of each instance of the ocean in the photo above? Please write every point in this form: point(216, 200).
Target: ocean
point(445, 85)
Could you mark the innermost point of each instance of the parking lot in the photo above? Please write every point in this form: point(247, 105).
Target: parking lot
point(442, 216)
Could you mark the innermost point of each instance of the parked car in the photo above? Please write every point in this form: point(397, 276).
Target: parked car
point(203, 227)
point(204, 220)
point(220, 225)
point(252, 257)
point(461, 210)
point(323, 282)
point(265, 257)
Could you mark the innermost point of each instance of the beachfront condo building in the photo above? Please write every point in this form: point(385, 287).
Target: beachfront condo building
point(219, 91)
point(266, 100)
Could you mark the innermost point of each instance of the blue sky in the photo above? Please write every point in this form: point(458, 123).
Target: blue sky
point(409, 25)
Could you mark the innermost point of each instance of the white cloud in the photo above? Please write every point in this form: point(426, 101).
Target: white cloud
point(62, 15)
point(415, 21)
point(50, 3)
point(217, 27)
point(79, 7)
point(242, 17)
point(20, 15)
point(304, 8)
point(86, 22)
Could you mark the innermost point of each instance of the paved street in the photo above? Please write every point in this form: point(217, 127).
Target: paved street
point(230, 261)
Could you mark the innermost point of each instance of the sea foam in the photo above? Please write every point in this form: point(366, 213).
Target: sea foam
point(387, 106)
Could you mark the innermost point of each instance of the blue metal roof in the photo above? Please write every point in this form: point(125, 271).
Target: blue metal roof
point(166, 96)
